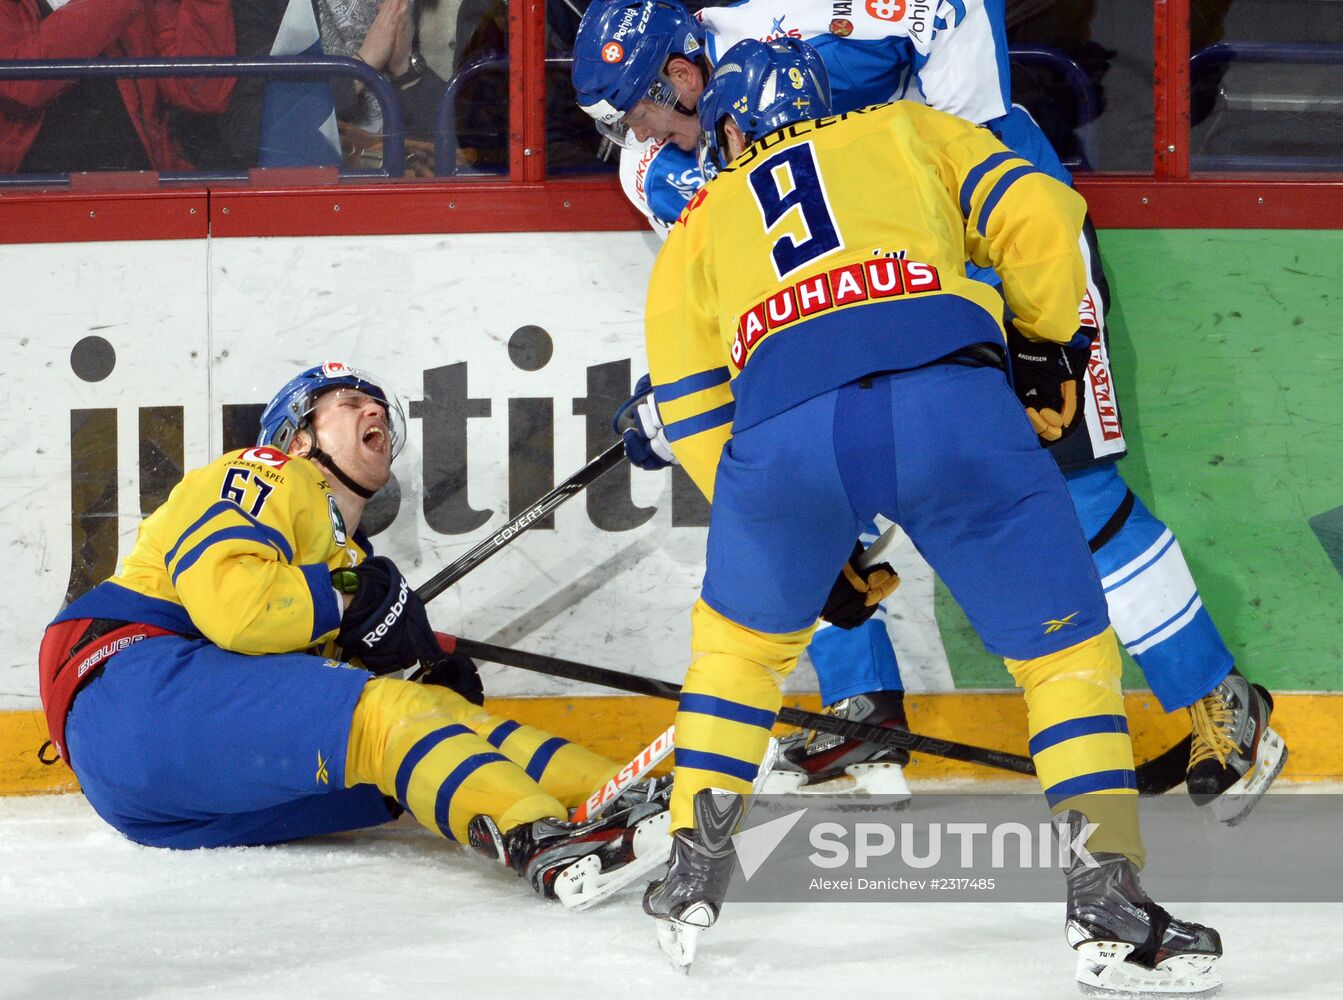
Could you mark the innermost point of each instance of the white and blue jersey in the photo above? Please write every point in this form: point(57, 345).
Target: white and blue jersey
point(947, 54)
point(658, 177)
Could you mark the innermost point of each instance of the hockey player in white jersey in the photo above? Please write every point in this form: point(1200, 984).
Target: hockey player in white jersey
point(640, 67)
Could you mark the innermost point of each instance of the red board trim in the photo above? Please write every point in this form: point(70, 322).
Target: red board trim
point(60, 217)
point(1117, 202)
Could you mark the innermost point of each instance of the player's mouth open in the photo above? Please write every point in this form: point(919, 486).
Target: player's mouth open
point(375, 439)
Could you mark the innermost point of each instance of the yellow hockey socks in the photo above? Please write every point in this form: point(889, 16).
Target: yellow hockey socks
point(1080, 740)
point(411, 741)
point(728, 704)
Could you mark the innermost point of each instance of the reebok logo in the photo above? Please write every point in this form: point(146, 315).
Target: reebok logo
point(1054, 624)
point(322, 775)
point(393, 613)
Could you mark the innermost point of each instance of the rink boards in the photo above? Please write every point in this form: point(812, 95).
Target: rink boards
point(136, 360)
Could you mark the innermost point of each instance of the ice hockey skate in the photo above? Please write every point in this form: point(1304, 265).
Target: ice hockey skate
point(688, 899)
point(1235, 755)
point(581, 863)
point(1127, 945)
point(816, 763)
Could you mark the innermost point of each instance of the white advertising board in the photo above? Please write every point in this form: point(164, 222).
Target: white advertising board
point(128, 362)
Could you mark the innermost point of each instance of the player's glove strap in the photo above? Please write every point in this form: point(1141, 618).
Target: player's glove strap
point(385, 627)
point(1048, 379)
point(858, 590)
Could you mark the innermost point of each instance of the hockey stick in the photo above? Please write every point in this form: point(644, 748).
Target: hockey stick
point(644, 761)
point(576, 483)
point(1152, 780)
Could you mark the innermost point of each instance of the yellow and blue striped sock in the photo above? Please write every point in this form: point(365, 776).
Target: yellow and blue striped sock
point(728, 704)
point(411, 741)
point(1079, 739)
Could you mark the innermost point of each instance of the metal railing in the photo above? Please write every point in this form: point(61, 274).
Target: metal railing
point(445, 123)
point(269, 67)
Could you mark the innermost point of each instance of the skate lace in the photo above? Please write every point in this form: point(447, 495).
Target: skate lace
point(1211, 718)
point(1158, 920)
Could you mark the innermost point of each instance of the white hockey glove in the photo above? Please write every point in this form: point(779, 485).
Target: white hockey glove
point(640, 424)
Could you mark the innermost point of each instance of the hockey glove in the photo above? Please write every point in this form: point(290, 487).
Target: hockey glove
point(454, 671)
point(640, 424)
point(385, 627)
point(855, 596)
point(1048, 379)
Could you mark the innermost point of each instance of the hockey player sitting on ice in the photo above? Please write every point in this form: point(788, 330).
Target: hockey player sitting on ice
point(226, 688)
point(820, 279)
point(640, 67)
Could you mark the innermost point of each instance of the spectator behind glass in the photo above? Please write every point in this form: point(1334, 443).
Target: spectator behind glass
point(377, 33)
point(59, 126)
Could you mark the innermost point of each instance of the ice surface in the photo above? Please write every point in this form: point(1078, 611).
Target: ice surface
point(396, 913)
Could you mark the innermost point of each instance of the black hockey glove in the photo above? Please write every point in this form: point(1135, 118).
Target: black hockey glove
point(385, 627)
point(1048, 380)
point(855, 596)
point(454, 671)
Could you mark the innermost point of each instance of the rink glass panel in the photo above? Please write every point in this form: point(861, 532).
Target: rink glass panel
point(1266, 85)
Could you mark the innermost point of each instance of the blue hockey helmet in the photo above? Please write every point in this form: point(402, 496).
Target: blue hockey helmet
point(288, 411)
point(761, 86)
point(620, 52)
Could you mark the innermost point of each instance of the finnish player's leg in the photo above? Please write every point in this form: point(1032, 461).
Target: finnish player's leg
point(1160, 618)
point(1153, 601)
point(1027, 584)
point(859, 679)
point(416, 743)
point(860, 665)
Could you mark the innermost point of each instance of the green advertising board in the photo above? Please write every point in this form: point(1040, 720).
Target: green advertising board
point(1228, 356)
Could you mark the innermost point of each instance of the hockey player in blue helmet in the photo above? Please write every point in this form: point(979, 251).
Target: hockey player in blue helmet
point(837, 420)
point(760, 89)
point(639, 70)
point(639, 66)
point(291, 409)
point(957, 61)
point(233, 678)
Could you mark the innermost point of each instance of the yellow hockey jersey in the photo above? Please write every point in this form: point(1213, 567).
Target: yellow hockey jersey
point(835, 248)
point(241, 553)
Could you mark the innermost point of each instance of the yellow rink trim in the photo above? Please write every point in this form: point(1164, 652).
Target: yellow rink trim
point(1311, 724)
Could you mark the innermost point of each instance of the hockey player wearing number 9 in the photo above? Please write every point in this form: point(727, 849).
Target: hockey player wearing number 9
point(822, 275)
point(955, 61)
point(228, 686)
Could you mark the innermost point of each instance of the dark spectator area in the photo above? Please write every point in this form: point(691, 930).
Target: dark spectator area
point(420, 88)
